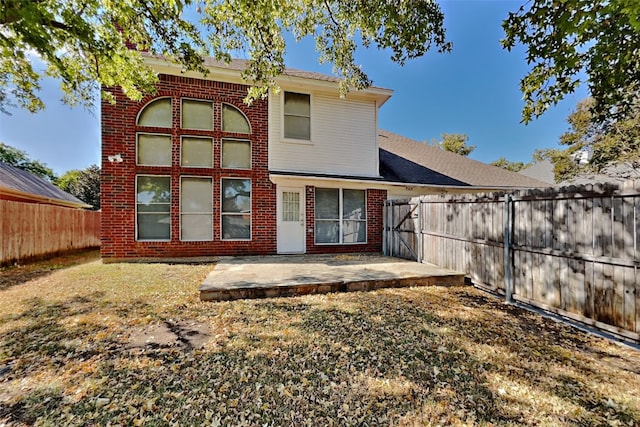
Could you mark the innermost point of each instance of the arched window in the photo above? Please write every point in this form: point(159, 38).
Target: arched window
point(233, 120)
point(156, 113)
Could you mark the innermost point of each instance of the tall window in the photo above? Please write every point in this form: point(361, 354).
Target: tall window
point(340, 216)
point(196, 209)
point(297, 116)
point(153, 205)
point(236, 209)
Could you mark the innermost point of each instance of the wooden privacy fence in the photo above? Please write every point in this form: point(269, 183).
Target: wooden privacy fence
point(573, 251)
point(29, 230)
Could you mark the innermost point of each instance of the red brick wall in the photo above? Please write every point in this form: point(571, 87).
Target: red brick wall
point(375, 202)
point(118, 179)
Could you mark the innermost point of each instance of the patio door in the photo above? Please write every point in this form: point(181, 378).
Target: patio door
point(291, 220)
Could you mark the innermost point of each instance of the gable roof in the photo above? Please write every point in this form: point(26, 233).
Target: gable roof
point(542, 171)
point(20, 185)
point(408, 161)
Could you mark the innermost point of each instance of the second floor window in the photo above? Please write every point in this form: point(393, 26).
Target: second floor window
point(297, 116)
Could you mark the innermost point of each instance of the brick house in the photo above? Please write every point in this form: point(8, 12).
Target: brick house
point(194, 171)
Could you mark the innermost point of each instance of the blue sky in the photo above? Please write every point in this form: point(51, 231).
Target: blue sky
point(473, 90)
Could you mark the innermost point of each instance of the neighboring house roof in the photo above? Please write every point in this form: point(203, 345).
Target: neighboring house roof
point(20, 185)
point(542, 171)
point(408, 161)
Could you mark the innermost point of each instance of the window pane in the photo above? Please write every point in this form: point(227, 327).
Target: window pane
point(154, 150)
point(236, 226)
point(196, 195)
point(327, 231)
point(353, 204)
point(236, 154)
point(197, 227)
point(157, 113)
point(354, 231)
point(297, 103)
point(154, 226)
point(327, 203)
point(153, 189)
point(197, 114)
point(297, 127)
point(197, 152)
point(290, 206)
point(236, 195)
point(233, 120)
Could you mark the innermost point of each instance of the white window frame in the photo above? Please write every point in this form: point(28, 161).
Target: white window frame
point(195, 137)
point(150, 102)
point(199, 213)
point(157, 134)
point(340, 219)
point(137, 239)
point(222, 104)
point(222, 139)
point(213, 114)
point(223, 213)
point(282, 115)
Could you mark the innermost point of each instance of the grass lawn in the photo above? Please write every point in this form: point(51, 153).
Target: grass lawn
point(86, 343)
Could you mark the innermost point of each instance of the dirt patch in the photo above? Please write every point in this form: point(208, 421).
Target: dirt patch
point(169, 334)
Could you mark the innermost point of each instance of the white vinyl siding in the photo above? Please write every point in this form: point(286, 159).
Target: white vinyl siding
point(343, 138)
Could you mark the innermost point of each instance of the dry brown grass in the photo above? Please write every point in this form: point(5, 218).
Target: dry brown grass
point(416, 356)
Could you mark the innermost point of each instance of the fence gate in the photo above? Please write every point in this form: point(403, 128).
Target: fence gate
point(402, 230)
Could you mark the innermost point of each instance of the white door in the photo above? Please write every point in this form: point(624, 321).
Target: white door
point(291, 220)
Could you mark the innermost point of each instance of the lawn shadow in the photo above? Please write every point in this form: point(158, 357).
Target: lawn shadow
point(22, 273)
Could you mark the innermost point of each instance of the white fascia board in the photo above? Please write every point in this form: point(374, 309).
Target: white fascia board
point(163, 66)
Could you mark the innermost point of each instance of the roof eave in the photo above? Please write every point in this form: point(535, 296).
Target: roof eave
point(21, 195)
point(164, 66)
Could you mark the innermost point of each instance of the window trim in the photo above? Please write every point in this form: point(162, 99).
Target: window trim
point(282, 115)
point(137, 238)
point(222, 139)
point(149, 103)
point(213, 114)
point(222, 104)
point(340, 219)
point(210, 178)
point(170, 149)
point(195, 137)
point(222, 212)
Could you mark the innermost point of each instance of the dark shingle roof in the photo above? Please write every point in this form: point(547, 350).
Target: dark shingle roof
point(405, 160)
point(20, 181)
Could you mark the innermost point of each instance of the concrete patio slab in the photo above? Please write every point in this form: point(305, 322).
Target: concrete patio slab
point(289, 275)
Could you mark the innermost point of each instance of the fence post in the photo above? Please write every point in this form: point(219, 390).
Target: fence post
point(508, 280)
point(385, 209)
point(419, 251)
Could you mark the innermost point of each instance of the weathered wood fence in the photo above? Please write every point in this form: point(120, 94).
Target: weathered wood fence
point(29, 230)
point(573, 251)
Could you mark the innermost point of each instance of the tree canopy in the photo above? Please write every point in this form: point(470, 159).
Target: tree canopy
point(503, 163)
point(455, 143)
point(21, 160)
point(84, 184)
point(86, 43)
point(591, 146)
point(565, 38)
